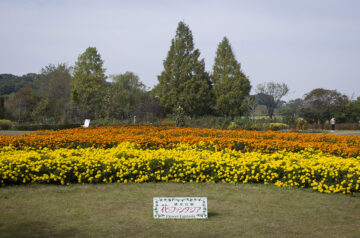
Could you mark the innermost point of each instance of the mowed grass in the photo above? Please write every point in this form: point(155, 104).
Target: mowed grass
point(14, 133)
point(346, 132)
point(125, 210)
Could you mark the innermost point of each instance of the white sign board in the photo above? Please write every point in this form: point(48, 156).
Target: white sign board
point(180, 207)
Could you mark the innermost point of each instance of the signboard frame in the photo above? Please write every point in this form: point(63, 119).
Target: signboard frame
point(180, 207)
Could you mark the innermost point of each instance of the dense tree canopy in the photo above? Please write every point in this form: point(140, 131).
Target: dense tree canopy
point(127, 93)
point(11, 83)
point(54, 86)
point(184, 81)
point(353, 111)
point(88, 83)
point(320, 105)
point(20, 105)
point(231, 86)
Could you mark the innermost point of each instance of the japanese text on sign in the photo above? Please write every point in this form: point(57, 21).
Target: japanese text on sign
point(180, 207)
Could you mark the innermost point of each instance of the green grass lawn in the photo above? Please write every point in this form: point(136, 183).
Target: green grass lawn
point(13, 133)
point(346, 132)
point(125, 210)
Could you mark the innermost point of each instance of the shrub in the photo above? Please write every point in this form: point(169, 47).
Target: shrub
point(5, 124)
point(25, 127)
point(233, 125)
point(167, 122)
point(339, 126)
point(278, 126)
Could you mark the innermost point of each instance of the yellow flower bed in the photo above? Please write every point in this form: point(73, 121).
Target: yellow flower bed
point(129, 163)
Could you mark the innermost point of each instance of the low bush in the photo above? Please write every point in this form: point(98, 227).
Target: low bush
point(248, 125)
point(209, 122)
point(277, 126)
point(339, 126)
point(233, 125)
point(26, 127)
point(5, 124)
point(167, 122)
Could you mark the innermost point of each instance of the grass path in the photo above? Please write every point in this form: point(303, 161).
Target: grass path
point(125, 210)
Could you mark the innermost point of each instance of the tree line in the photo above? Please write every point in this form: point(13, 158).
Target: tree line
point(64, 94)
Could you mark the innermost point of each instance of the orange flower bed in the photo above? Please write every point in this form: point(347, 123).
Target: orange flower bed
point(151, 137)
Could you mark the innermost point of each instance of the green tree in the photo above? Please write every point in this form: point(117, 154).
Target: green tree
point(184, 81)
point(353, 111)
point(19, 105)
point(231, 86)
point(88, 84)
point(290, 111)
point(270, 95)
point(54, 86)
point(41, 111)
point(2, 107)
point(11, 84)
point(320, 105)
point(127, 93)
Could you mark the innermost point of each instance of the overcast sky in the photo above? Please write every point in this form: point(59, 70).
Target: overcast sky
point(306, 44)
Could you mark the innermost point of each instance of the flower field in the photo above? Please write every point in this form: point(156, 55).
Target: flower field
point(326, 163)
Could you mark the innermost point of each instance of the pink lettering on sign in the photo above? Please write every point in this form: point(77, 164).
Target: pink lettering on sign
point(169, 209)
point(197, 209)
point(185, 209)
point(180, 207)
point(164, 208)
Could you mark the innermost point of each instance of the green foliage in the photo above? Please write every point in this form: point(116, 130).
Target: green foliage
point(233, 126)
point(184, 80)
point(278, 126)
point(208, 122)
point(88, 84)
point(290, 112)
point(5, 124)
point(231, 86)
point(20, 105)
point(321, 104)
point(2, 107)
point(54, 86)
point(11, 84)
point(246, 124)
point(127, 93)
point(35, 127)
point(40, 113)
point(270, 94)
point(149, 111)
point(353, 111)
point(167, 122)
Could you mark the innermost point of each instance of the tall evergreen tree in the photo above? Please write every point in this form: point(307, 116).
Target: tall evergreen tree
point(184, 81)
point(88, 83)
point(231, 86)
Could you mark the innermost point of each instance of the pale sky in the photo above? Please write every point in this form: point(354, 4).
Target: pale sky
point(306, 44)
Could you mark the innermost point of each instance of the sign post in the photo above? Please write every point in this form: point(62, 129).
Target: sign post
point(180, 207)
